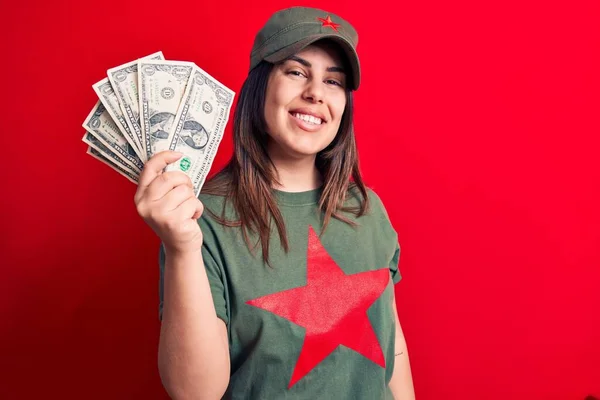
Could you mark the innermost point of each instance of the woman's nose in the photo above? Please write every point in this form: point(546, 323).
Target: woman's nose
point(314, 91)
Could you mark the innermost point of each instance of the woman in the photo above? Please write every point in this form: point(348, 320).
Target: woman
point(278, 281)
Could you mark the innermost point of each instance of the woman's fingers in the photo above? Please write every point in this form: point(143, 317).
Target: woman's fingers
point(198, 210)
point(176, 196)
point(164, 183)
point(191, 208)
point(154, 168)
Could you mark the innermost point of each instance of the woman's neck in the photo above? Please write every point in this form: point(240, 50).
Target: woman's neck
point(296, 175)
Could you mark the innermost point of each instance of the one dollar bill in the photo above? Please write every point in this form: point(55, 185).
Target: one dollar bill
point(199, 125)
point(107, 96)
point(124, 81)
point(161, 86)
point(123, 171)
point(100, 125)
point(108, 157)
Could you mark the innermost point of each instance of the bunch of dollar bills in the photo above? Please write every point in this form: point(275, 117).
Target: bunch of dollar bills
point(150, 105)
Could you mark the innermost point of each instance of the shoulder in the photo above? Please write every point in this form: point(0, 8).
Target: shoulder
point(217, 224)
point(375, 204)
point(214, 193)
point(212, 201)
point(216, 208)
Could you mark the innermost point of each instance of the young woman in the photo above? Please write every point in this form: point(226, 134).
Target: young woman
point(278, 281)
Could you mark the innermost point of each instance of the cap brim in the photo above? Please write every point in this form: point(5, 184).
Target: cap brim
point(294, 48)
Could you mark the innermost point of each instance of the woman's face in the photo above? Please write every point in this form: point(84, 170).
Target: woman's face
point(305, 101)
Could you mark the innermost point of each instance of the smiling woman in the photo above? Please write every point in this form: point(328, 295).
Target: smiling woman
point(313, 315)
point(305, 94)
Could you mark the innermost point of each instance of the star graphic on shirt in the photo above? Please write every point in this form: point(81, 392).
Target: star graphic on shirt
point(331, 307)
point(328, 22)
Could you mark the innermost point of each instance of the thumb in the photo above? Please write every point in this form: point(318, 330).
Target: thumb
point(155, 166)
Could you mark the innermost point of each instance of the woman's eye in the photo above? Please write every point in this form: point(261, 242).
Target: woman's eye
point(295, 73)
point(333, 82)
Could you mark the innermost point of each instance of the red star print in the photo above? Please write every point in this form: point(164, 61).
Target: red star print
point(328, 22)
point(332, 307)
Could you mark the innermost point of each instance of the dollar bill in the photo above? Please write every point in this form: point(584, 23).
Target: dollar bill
point(109, 157)
point(199, 125)
point(100, 125)
point(161, 86)
point(107, 96)
point(124, 81)
point(125, 172)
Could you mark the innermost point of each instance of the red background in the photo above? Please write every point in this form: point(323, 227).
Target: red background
point(477, 124)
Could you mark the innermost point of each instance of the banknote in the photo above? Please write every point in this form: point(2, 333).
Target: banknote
point(199, 125)
point(101, 126)
point(125, 84)
point(107, 96)
point(125, 172)
point(109, 157)
point(161, 85)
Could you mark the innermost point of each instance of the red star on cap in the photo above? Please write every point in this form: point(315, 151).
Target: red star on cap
point(328, 22)
point(331, 307)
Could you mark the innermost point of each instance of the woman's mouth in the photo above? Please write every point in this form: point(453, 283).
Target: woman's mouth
point(308, 118)
point(307, 122)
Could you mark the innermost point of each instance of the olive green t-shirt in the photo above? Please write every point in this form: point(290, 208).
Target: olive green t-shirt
point(316, 324)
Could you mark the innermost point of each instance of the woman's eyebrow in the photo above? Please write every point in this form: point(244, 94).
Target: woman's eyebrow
point(309, 65)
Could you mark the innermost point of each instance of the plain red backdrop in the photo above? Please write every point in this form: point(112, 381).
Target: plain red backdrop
point(477, 123)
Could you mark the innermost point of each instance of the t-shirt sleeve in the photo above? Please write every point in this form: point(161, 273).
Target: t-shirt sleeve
point(390, 233)
point(215, 279)
point(394, 270)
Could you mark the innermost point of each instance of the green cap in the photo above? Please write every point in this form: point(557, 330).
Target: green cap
point(290, 30)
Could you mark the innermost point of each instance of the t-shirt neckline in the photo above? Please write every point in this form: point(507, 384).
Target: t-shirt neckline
point(303, 198)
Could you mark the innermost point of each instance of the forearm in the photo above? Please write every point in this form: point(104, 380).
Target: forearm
point(401, 383)
point(193, 350)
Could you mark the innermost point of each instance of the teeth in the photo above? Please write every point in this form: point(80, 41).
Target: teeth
point(308, 118)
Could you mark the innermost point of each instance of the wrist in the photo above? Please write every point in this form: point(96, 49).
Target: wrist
point(179, 256)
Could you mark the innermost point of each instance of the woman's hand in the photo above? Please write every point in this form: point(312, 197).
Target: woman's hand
point(168, 204)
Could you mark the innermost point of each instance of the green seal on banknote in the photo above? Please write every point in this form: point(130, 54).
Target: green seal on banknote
point(185, 164)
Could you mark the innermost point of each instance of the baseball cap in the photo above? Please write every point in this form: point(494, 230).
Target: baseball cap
point(290, 30)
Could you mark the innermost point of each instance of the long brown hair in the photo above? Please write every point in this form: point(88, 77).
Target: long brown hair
point(248, 177)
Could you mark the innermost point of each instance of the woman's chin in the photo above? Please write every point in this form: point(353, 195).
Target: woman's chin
point(303, 151)
point(296, 150)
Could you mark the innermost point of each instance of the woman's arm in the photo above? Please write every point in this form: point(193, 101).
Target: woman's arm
point(401, 383)
point(193, 350)
point(193, 355)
